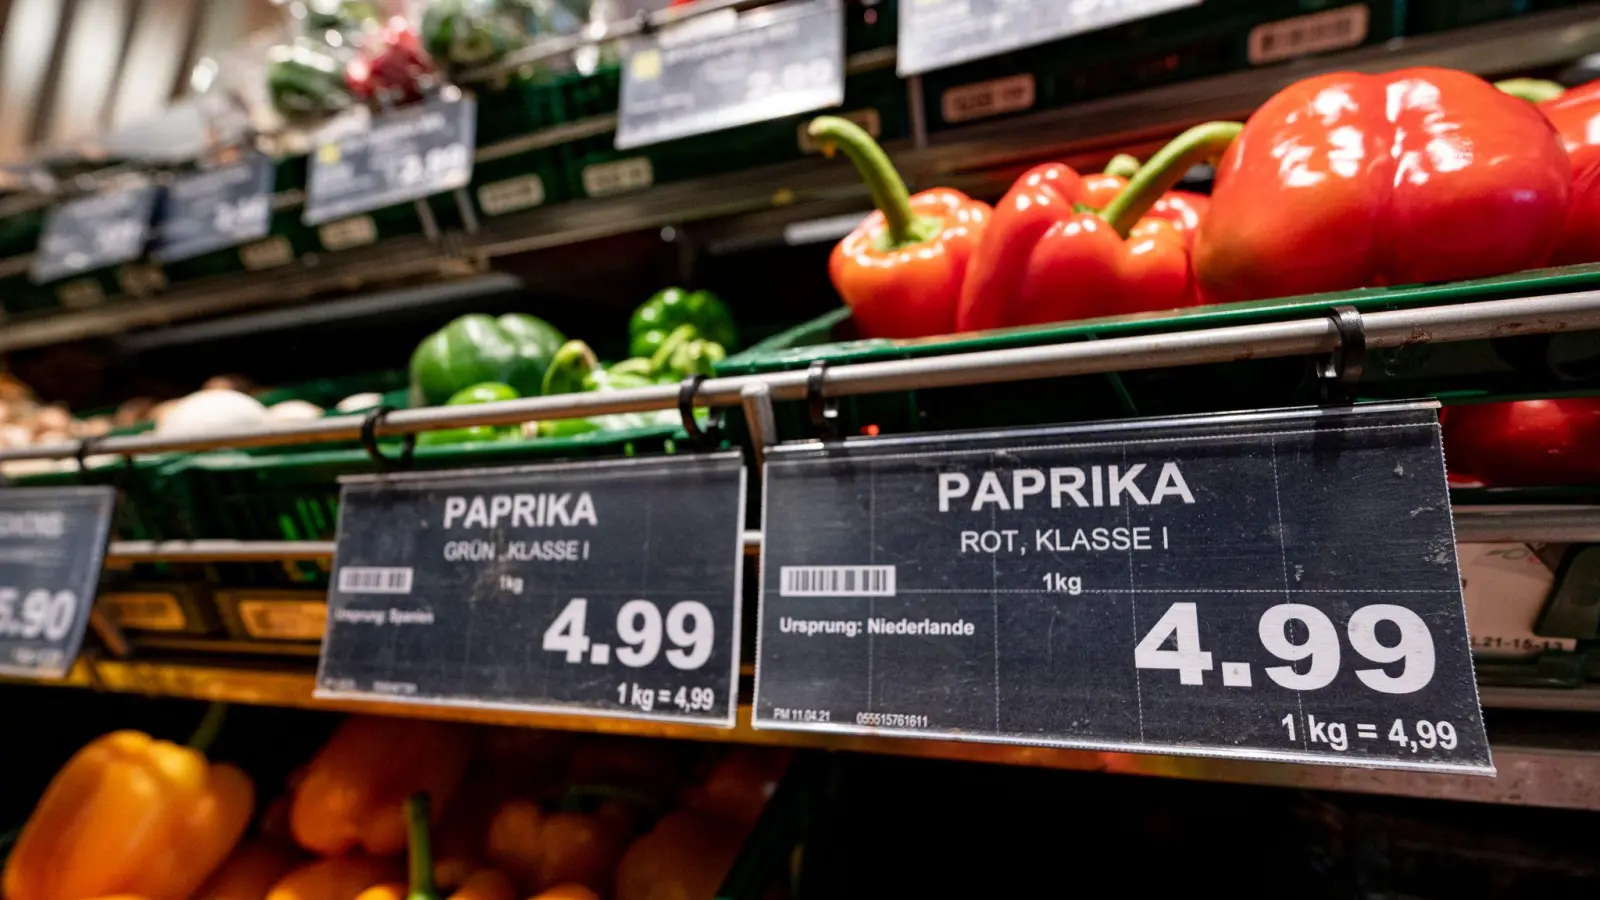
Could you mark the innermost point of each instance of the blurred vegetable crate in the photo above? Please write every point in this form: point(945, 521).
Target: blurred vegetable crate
point(295, 496)
point(148, 509)
point(1425, 16)
point(1467, 371)
point(1213, 38)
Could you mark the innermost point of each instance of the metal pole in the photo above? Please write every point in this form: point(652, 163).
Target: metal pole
point(218, 551)
point(1544, 525)
point(1301, 337)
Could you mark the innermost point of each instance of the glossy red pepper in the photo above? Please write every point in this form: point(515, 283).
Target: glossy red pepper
point(1048, 257)
point(1526, 442)
point(1576, 115)
point(392, 67)
point(1348, 180)
point(900, 271)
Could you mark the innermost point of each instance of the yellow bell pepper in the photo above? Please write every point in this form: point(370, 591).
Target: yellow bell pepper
point(337, 878)
point(355, 788)
point(131, 815)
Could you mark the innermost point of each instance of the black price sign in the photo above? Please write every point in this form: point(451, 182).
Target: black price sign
point(1273, 586)
point(215, 209)
point(408, 154)
point(52, 542)
point(94, 232)
point(935, 34)
point(726, 69)
point(609, 588)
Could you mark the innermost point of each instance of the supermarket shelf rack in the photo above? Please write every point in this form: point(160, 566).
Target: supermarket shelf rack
point(978, 159)
point(1534, 769)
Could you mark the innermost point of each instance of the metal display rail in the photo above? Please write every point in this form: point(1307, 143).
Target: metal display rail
point(1534, 768)
point(1300, 337)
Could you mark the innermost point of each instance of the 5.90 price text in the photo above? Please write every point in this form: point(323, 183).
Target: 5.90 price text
point(38, 614)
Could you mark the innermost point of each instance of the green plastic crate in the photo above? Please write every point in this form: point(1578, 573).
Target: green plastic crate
point(295, 496)
point(1213, 38)
point(148, 509)
point(1427, 16)
point(1476, 370)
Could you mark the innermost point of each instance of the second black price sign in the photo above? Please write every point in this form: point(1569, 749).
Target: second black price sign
point(1274, 586)
point(609, 588)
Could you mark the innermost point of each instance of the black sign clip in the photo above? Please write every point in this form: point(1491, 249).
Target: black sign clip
point(702, 438)
point(369, 441)
point(1341, 373)
point(824, 413)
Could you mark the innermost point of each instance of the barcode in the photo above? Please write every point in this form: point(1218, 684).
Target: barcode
point(836, 581)
point(369, 580)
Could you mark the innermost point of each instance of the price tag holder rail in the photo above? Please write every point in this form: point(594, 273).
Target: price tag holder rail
point(1272, 586)
point(608, 588)
point(52, 545)
point(215, 209)
point(406, 154)
point(937, 34)
point(98, 231)
point(728, 68)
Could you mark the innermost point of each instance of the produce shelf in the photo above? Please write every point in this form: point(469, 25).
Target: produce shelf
point(979, 159)
point(1532, 772)
point(1303, 337)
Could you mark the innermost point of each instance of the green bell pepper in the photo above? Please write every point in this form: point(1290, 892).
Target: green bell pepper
point(576, 369)
point(513, 349)
point(465, 33)
point(305, 82)
point(685, 353)
point(345, 16)
point(487, 392)
point(659, 316)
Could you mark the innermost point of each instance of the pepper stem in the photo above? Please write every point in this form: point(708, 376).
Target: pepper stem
point(1125, 165)
point(888, 190)
point(205, 734)
point(1533, 90)
point(420, 848)
point(1166, 169)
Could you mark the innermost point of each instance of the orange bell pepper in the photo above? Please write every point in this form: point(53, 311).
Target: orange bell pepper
point(249, 873)
point(355, 788)
point(685, 857)
point(335, 878)
point(541, 850)
point(567, 892)
point(129, 814)
point(485, 884)
point(900, 270)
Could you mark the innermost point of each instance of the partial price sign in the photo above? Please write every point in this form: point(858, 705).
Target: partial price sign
point(95, 232)
point(52, 542)
point(408, 154)
point(609, 588)
point(1273, 586)
point(215, 209)
point(936, 34)
point(726, 69)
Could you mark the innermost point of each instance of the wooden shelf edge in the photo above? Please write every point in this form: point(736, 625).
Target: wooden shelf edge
point(1529, 775)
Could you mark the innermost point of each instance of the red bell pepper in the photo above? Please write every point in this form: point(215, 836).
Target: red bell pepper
point(391, 67)
point(900, 270)
point(1048, 257)
point(1576, 115)
point(1347, 180)
point(1527, 442)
